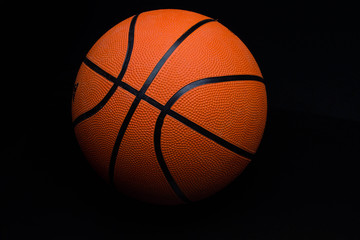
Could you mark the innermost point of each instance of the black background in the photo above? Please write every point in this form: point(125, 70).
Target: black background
point(303, 183)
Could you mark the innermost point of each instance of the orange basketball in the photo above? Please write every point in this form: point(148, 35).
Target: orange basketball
point(169, 106)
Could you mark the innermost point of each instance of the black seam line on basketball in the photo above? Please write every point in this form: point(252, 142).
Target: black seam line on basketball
point(142, 91)
point(187, 122)
point(111, 78)
point(117, 81)
point(167, 111)
point(162, 61)
point(98, 70)
point(197, 127)
point(211, 135)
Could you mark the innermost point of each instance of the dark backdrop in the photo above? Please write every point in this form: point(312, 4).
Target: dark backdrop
point(303, 183)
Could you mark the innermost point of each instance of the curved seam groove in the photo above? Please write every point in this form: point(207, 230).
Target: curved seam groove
point(142, 91)
point(166, 110)
point(116, 81)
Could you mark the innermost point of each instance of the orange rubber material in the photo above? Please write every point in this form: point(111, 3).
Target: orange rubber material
point(234, 111)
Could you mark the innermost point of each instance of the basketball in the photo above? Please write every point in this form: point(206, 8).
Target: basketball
point(169, 106)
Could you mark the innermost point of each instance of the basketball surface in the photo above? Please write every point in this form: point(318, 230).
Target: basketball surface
point(169, 106)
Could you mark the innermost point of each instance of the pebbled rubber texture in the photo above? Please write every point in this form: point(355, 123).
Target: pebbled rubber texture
point(234, 110)
point(197, 162)
point(91, 89)
point(97, 134)
point(137, 172)
point(110, 50)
